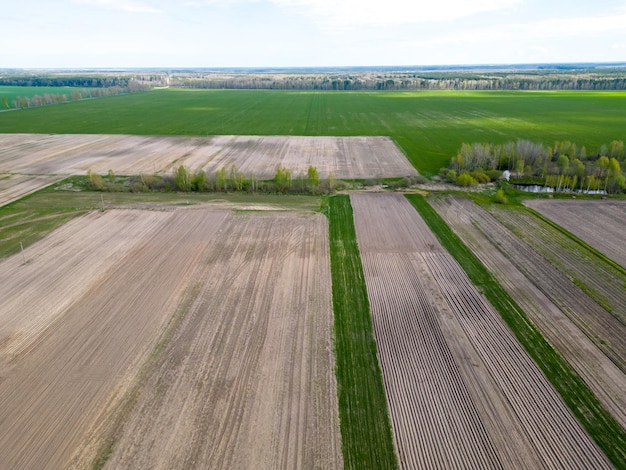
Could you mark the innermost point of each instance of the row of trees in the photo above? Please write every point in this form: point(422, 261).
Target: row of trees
point(222, 180)
point(563, 166)
point(78, 81)
point(23, 102)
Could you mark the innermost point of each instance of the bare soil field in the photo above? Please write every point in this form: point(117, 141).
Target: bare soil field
point(496, 248)
point(600, 280)
point(462, 391)
point(602, 224)
point(346, 157)
point(14, 187)
point(189, 338)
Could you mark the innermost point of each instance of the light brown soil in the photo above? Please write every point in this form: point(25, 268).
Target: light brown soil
point(243, 378)
point(462, 391)
point(14, 187)
point(346, 157)
point(478, 229)
point(602, 224)
point(602, 281)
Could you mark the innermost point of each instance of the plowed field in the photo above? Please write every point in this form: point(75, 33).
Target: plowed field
point(507, 258)
point(14, 187)
point(602, 224)
point(346, 157)
point(462, 392)
point(178, 339)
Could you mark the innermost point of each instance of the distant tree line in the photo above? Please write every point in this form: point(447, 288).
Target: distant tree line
point(406, 81)
point(563, 166)
point(592, 78)
point(45, 99)
point(79, 81)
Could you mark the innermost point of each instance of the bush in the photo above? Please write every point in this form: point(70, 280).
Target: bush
point(480, 176)
point(418, 179)
point(499, 197)
point(494, 175)
point(95, 181)
point(465, 180)
point(451, 176)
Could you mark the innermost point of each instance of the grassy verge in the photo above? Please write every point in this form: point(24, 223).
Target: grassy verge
point(367, 441)
point(606, 432)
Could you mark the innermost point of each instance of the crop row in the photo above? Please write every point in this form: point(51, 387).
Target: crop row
point(609, 436)
point(436, 422)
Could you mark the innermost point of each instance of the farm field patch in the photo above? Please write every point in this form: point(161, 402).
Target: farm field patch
point(16, 186)
point(601, 224)
point(345, 157)
point(460, 387)
point(520, 275)
point(213, 325)
point(429, 126)
point(601, 281)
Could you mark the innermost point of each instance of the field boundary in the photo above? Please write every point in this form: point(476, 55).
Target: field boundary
point(366, 435)
point(597, 253)
point(600, 425)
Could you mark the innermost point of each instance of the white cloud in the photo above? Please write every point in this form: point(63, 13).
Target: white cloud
point(333, 14)
point(122, 5)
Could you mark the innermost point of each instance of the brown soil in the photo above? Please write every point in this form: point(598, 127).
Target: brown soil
point(602, 224)
point(346, 157)
point(243, 377)
point(462, 391)
point(493, 245)
point(14, 187)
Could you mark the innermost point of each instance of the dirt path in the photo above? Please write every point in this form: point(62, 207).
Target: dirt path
point(461, 390)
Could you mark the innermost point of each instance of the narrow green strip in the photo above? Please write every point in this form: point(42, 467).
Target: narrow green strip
point(606, 432)
point(367, 440)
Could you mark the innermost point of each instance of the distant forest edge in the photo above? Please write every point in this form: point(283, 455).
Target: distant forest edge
point(591, 77)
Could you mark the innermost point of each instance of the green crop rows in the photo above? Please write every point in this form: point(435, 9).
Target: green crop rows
point(365, 427)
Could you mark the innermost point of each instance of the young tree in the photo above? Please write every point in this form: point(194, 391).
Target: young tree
point(220, 176)
point(282, 179)
point(183, 179)
point(313, 178)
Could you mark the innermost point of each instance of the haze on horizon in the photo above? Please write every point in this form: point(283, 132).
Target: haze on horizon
point(308, 33)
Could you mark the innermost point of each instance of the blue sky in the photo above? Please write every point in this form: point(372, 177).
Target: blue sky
point(300, 33)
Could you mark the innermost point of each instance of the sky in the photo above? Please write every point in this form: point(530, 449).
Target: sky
point(308, 33)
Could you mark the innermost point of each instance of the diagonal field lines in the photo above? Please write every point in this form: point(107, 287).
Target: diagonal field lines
point(462, 391)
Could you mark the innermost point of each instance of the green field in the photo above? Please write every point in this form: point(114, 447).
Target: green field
point(12, 92)
point(428, 125)
point(366, 437)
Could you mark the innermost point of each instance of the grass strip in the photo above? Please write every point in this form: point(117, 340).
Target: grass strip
point(600, 425)
point(581, 243)
point(367, 441)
